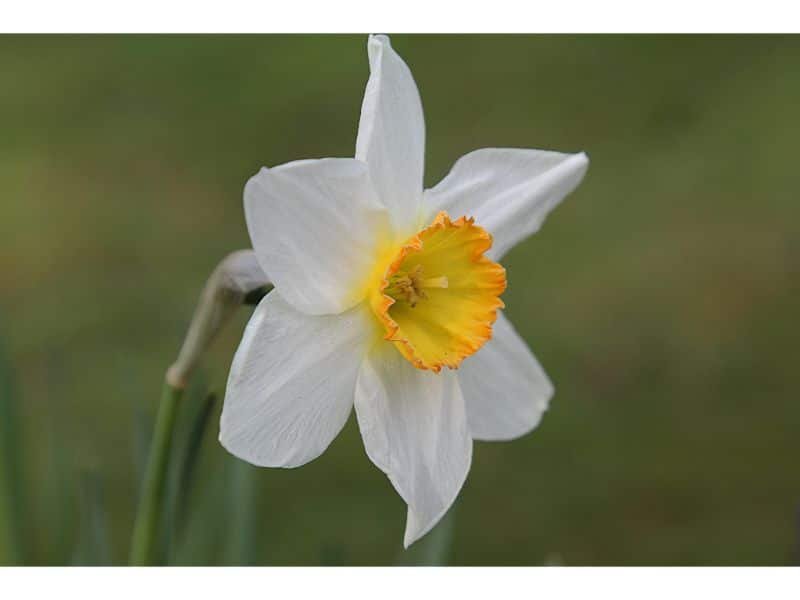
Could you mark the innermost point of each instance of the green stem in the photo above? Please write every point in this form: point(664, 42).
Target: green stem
point(151, 502)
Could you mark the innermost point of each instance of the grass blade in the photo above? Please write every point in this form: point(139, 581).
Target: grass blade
point(11, 484)
point(149, 526)
point(203, 535)
point(142, 433)
point(182, 479)
point(192, 444)
point(93, 544)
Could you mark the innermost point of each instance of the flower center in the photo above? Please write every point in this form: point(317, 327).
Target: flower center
point(410, 286)
point(438, 297)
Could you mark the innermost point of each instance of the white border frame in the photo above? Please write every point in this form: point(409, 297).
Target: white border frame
point(402, 583)
point(414, 16)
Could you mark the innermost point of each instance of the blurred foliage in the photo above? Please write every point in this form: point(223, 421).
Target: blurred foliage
point(93, 546)
point(661, 297)
point(11, 480)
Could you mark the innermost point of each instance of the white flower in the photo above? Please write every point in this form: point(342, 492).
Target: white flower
point(380, 284)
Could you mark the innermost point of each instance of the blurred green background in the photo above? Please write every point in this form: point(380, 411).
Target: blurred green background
point(661, 297)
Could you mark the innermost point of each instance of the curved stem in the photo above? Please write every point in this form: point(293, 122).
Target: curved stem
point(151, 501)
point(237, 279)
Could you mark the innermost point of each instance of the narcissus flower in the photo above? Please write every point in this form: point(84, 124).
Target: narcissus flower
point(387, 297)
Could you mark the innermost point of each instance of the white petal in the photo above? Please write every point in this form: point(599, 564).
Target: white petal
point(415, 430)
point(509, 191)
point(391, 135)
point(291, 384)
point(505, 389)
point(315, 225)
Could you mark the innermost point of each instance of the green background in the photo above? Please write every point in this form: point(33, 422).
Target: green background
point(661, 297)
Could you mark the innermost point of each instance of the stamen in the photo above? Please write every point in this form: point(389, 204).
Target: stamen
point(411, 286)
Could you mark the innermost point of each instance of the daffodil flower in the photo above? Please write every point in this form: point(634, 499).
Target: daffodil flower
point(387, 298)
